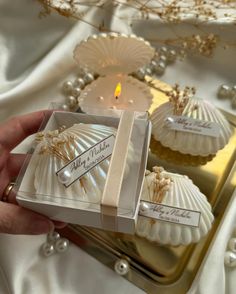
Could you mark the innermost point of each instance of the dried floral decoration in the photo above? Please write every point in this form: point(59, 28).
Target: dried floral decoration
point(193, 12)
point(161, 184)
point(53, 144)
point(180, 98)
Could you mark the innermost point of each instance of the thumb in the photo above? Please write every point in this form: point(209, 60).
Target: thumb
point(18, 220)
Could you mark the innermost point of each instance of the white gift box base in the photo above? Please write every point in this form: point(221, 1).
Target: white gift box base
point(92, 215)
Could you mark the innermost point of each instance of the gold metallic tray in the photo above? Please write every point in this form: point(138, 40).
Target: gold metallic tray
point(166, 269)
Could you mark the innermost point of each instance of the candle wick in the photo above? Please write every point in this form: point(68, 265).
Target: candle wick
point(117, 97)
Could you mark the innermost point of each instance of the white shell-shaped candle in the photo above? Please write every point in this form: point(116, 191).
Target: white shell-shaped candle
point(56, 149)
point(191, 143)
point(113, 53)
point(179, 192)
point(135, 95)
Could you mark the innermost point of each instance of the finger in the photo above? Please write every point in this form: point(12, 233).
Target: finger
point(17, 129)
point(15, 164)
point(18, 220)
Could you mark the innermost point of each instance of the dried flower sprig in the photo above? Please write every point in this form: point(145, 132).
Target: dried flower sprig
point(160, 185)
point(53, 144)
point(180, 98)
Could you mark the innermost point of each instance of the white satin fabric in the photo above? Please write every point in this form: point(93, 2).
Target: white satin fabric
point(35, 59)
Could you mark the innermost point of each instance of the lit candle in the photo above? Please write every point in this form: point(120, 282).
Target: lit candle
point(115, 92)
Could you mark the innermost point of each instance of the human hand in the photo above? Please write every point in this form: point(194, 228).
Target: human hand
point(13, 218)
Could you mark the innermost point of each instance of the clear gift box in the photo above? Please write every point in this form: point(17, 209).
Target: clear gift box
point(90, 176)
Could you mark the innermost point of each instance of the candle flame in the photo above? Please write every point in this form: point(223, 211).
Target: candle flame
point(117, 91)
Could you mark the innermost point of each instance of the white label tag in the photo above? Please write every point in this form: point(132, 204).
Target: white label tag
point(171, 214)
point(87, 160)
point(191, 125)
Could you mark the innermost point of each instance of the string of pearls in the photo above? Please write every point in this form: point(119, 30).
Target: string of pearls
point(162, 58)
point(227, 92)
point(54, 244)
point(73, 88)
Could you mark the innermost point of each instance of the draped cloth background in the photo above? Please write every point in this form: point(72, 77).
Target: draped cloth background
point(35, 59)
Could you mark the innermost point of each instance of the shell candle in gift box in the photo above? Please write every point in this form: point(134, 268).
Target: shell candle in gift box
point(80, 170)
point(113, 56)
point(172, 211)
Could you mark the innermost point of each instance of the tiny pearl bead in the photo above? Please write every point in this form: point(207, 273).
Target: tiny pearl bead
point(153, 65)
point(64, 177)
point(163, 58)
point(122, 267)
point(171, 56)
point(100, 98)
point(88, 78)
point(140, 74)
point(80, 83)
point(67, 87)
point(224, 91)
point(148, 71)
point(65, 107)
point(47, 249)
point(61, 245)
point(163, 50)
point(76, 92)
point(230, 259)
point(131, 101)
point(160, 68)
point(53, 236)
point(143, 207)
point(71, 101)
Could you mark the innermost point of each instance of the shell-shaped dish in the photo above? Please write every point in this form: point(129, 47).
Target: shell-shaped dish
point(186, 142)
point(181, 194)
point(54, 151)
point(113, 53)
point(99, 96)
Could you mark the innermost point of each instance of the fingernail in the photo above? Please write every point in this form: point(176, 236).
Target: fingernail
point(42, 227)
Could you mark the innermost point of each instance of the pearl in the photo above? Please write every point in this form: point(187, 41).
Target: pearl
point(160, 69)
point(148, 71)
point(131, 101)
point(80, 83)
point(61, 245)
point(67, 87)
point(171, 56)
point(88, 78)
point(65, 107)
point(163, 58)
point(153, 65)
point(143, 207)
point(232, 244)
point(230, 259)
point(100, 98)
point(122, 267)
point(113, 107)
point(71, 101)
point(233, 102)
point(163, 50)
point(224, 91)
point(47, 249)
point(53, 236)
point(76, 92)
point(64, 177)
point(140, 74)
